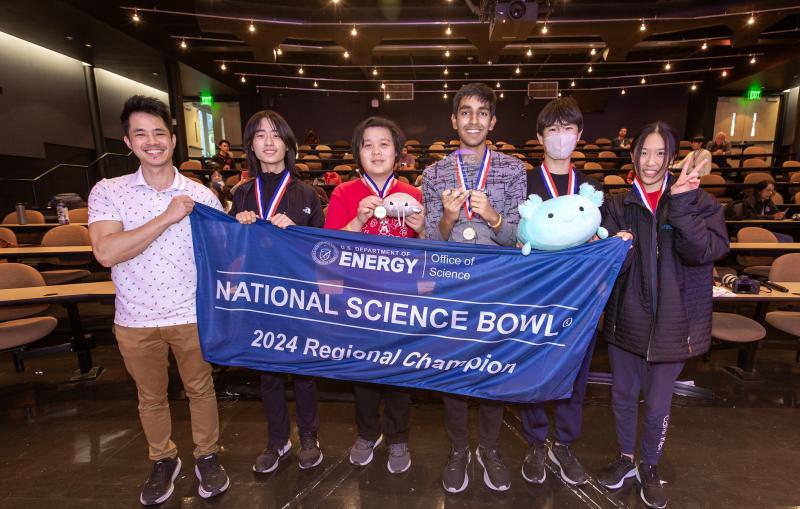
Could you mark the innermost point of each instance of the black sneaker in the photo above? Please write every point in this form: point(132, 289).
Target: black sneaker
point(614, 474)
point(160, 485)
point(652, 491)
point(533, 466)
point(310, 454)
point(568, 465)
point(212, 476)
point(268, 460)
point(495, 473)
point(455, 477)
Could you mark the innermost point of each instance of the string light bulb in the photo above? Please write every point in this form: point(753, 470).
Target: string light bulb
point(643, 26)
point(694, 86)
point(448, 30)
point(316, 84)
point(353, 31)
point(643, 81)
point(590, 69)
point(529, 53)
point(374, 71)
point(388, 96)
point(497, 85)
point(667, 66)
point(183, 44)
point(752, 59)
point(502, 95)
point(447, 53)
point(752, 19)
point(704, 46)
point(517, 70)
point(444, 95)
point(724, 73)
point(243, 79)
point(135, 16)
point(346, 54)
point(279, 51)
point(622, 92)
point(223, 67)
point(446, 72)
point(572, 84)
point(252, 27)
point(445, 85)
point(300, 71)
point(545, 29)
point(383, 86)
point(593, 52)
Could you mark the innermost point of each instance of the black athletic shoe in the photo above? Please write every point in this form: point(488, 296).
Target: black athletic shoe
point(159, 486)
point(269, 458)
point(568, 465)
point(212, 476)
point(613, 475)
point(652, 487)
point(495, 473)
point(455, 477)
point(310, 454)
point(533, 466)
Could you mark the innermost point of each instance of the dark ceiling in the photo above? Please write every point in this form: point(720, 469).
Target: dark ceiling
point(406, 41)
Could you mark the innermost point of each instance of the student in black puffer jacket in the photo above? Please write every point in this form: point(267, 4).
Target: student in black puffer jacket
point(659, 312)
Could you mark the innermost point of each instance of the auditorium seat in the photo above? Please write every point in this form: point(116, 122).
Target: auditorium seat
point(603, 143)
point(324, 151)
point(757, 176)
point(786, 268)
point(685, 144)
point(79, 215)
point(591, 165)
point(533, 142)
point(232, 180)
point(31, 217)
point(615, 180)
point(626, 167)
point(717, 192)
point(507, 146)
point(312, 161)
point(758, 266)
point(455, 142)
point(608, 164)
point(735, 328)
point(66, 235)
point(580, 156)
point(413, 143)
point(777, 198)
point(755, 151)
point(797, 197)
point(754, 163)
point(590, 147)
point(191, 164)
point(301, 167)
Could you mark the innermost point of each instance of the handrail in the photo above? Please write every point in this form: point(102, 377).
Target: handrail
point(59, 165)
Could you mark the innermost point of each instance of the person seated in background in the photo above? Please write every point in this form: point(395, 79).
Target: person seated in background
point(407, 161)
point(760, 205)
point(223, 157)
point(621, 142)
point(311, 138)
point(696, 157)
point(719, 148)
point(222, 192)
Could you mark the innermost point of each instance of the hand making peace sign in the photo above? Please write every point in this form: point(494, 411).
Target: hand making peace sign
point(688, 180)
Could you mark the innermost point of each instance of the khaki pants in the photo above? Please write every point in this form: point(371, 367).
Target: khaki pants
point(144, 351)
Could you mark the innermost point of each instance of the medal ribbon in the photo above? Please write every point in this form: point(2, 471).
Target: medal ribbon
point(549, 183)
point(638, 188)
point(382, 192)
point(276, 197)
point(480, 183)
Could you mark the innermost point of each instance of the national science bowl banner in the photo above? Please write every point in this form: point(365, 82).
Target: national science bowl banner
point(474, 320)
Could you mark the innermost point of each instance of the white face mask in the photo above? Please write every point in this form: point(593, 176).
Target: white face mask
point(560, 145)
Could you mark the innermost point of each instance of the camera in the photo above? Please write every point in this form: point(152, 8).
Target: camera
point(741, 284)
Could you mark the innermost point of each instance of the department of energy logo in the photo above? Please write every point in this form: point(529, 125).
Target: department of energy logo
point(324, 253)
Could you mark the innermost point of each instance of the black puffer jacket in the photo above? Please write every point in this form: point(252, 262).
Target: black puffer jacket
point(660, 307)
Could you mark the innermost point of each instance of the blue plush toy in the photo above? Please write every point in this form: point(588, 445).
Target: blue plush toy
point(562, 222)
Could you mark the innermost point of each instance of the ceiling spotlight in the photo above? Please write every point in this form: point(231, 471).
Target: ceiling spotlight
point(279, 51)
point(353, 31)
point(252, 27)
point(622, 92)
point(724, 73)
point(448, 30)
point(529, 53)
point(183, 44)
point(642, 27)
point(544, 29)
point(694, 86)
point(590, 69)
point(497, 85)
point(751, 19)
point(593, 52)
point(445, 85)
point(502, 95)
point(752, 59)
point(300, 71)
point(223, 67)
point(335, 1)
point(383, 86)
point(447, 53)
point(572, 84)
point(346, 54)
point(517, 71)
point(316, 84)
point(643, 80)
point(667, 66)
point(444, 95)
point(374, 71)
point(136, 17)
point(446, 72)
point(704, 46)
point(243, 79)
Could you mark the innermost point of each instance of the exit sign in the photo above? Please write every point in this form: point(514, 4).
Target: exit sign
point(754, 93)
point(207, 99)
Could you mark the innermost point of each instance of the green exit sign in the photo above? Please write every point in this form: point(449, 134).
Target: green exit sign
point(207, 99)
point(754, 93)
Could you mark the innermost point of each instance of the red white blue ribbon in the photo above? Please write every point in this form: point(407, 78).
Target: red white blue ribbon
point(380, 192)
point(638, 188)
point(276, 197)
point(480, 183)
point(549, 183)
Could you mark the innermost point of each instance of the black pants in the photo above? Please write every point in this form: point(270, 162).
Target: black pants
point(396, 406)
point(456, 421)
point(273, 396)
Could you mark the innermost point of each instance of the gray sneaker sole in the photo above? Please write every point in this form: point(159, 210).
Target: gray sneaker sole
point(466, 478)
point(406, 467)
point(319, 460)
point(628, 475)
point(366, 462)
point(281, 454)
point(561, 471)
point(534, 481)
point(171, 489)
point(486, 479)
point(208, 494)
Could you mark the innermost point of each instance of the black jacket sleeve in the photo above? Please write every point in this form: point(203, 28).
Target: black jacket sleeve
point(701, 236)
point(613, 213)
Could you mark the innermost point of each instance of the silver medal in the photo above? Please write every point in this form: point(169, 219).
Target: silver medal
point(380, 212)
point(468, 233)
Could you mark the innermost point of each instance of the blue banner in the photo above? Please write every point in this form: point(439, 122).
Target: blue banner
point(473, 320)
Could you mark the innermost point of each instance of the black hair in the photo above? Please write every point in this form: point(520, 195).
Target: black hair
point(284, 132)
point(398, 137)
point(762, 185)
point(142, 104)
point(220, 142)
point(698, 139)
point(482, 91)
point(559, 111)
point(667, 134)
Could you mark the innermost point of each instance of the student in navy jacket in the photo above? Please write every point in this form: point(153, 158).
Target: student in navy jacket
point(659, 312)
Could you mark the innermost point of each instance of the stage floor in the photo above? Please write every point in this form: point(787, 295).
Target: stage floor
point(81, 446)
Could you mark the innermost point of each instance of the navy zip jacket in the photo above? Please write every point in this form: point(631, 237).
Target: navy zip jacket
point(661, 304)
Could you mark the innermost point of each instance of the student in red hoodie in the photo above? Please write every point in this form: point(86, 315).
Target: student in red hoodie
point(356, 206)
